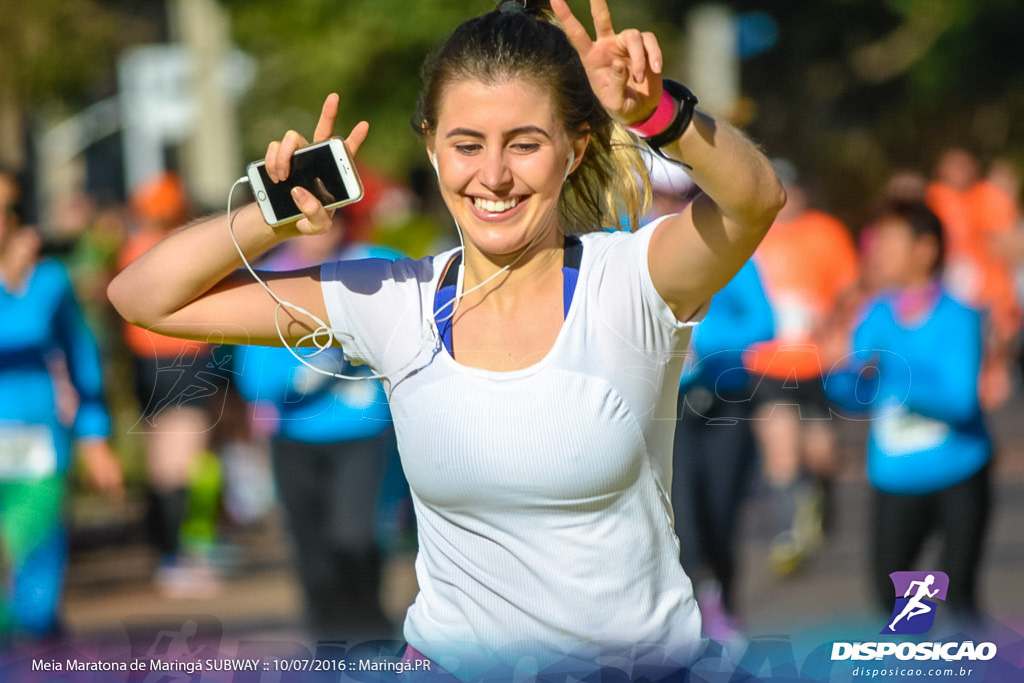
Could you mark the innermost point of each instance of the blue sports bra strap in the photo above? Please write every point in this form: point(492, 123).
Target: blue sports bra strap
point(451, 275)
point(571, 259)
point(573, 252)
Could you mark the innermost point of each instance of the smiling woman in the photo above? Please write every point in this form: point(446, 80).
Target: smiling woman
point(548, 73)
point(539, 469)
point(500, 179)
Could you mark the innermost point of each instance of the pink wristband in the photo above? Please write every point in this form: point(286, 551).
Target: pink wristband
point(659, 120)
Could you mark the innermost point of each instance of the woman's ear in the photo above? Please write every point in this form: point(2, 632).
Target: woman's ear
point(926, 250)
point(579, 146)
point(431, 149)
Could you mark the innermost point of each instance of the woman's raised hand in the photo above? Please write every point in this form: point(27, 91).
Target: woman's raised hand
point(624, 68)
point(279, 158)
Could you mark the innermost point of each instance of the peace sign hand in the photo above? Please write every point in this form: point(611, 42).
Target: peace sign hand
point(624, 68)
point(278, 160)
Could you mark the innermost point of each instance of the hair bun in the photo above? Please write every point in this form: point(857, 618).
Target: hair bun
point(512, 6)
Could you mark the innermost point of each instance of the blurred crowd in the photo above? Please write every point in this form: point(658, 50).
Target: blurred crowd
point(910, 322)
point(187, 439)
point(826, 321)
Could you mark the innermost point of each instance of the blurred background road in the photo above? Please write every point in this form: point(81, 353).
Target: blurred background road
point(259, 595)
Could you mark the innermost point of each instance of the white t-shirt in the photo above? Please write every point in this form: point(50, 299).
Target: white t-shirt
point(542, 494)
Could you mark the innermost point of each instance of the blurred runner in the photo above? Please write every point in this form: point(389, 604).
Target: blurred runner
point(43, 329)
point(175, 381)
point(807, 263)
point(916, 357)
point(714, 453)
point(979, 216)
point(331, 441)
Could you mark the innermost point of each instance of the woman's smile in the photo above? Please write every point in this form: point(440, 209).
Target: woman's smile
point(497, 209)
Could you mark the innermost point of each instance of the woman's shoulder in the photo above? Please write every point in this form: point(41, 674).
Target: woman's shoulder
point(610, 238)
point(45, 284)
point(377, 270)
point(951, 305)
point(877, 308)
point(619, 246)
point(885, 305)
point(52, 274)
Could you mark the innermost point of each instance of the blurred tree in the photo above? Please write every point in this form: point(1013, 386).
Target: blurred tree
point(369, 51)
point(856, 89)
point(56, 52)
point(853, 90)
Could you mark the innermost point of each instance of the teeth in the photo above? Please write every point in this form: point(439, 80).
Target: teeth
point(495, 207)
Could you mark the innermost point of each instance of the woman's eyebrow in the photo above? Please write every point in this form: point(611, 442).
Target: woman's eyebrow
point(522, 130)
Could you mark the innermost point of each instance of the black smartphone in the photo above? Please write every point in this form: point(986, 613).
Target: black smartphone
point(324, 169)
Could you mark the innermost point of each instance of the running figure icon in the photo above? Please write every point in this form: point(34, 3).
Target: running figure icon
point(916, 606)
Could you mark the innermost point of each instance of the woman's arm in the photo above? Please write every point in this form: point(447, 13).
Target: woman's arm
point(81, 362)
point(694, 254)
point(189, 284)
point(697, 252)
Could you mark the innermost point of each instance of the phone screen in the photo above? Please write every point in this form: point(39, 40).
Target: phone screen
point(314, 170)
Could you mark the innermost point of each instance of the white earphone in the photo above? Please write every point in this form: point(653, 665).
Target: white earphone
point(323, 336)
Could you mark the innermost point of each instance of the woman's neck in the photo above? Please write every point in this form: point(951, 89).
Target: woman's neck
point(13, 271)
point(916, 298)
point(528, 273)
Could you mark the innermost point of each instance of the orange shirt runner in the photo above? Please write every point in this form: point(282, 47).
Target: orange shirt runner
point(805, 265)
point(978, 274)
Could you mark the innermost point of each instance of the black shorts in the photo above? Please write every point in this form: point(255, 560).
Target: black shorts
point(191, 380)
point(807, 394)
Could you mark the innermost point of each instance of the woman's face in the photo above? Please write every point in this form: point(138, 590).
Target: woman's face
point(501, 157)
point(894, 257)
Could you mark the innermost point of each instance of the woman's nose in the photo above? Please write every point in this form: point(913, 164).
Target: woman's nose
point(494, 172)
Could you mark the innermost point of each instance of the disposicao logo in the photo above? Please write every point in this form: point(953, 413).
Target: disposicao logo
point(913, 614)
point(916, 593)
